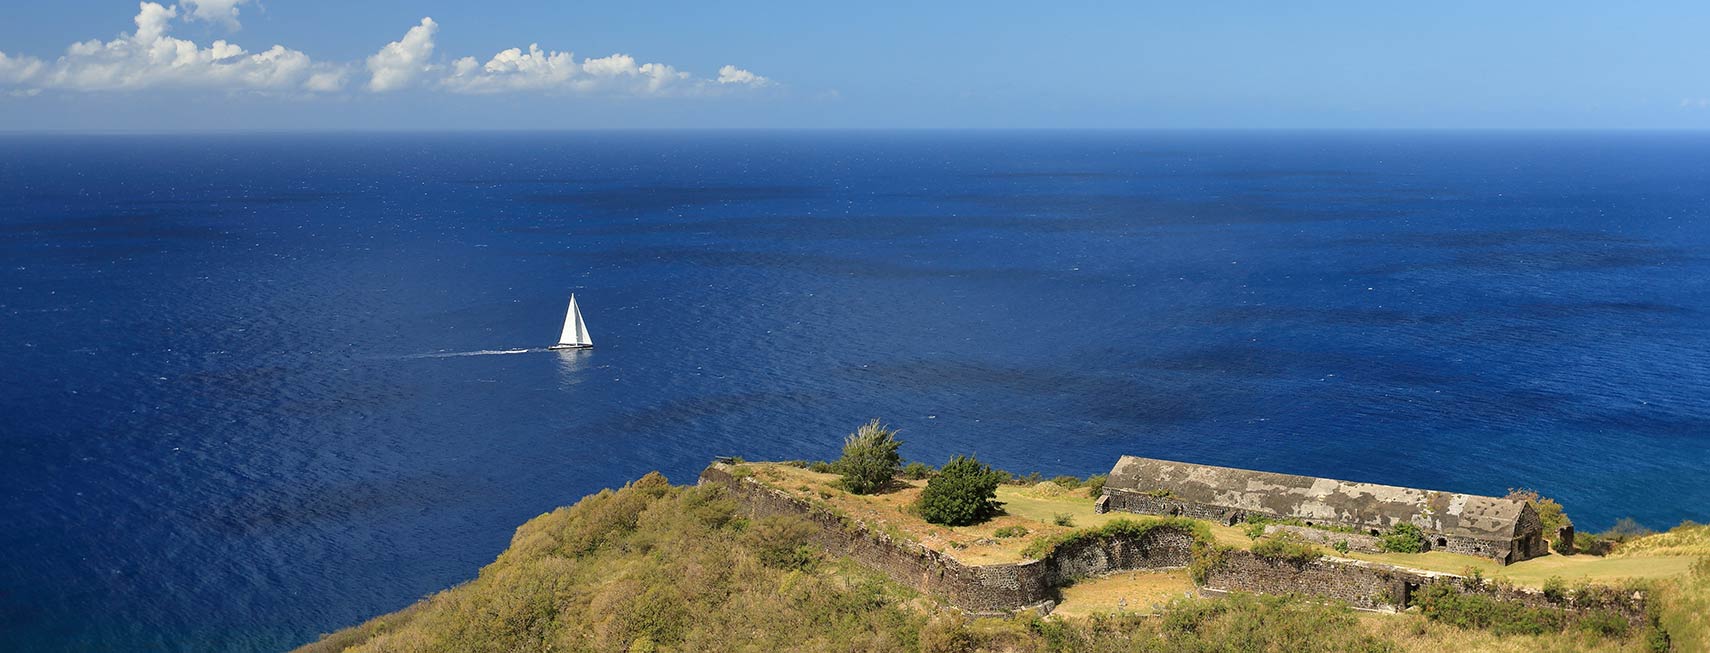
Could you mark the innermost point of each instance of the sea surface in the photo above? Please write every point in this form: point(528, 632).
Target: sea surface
point(249, 390)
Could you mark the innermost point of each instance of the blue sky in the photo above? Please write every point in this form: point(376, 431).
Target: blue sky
point(386, 64)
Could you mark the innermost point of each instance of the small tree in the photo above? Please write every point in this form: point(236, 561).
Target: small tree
point(869, 459)
point(1550, 514)
point(1403, 538)
point(964, 492)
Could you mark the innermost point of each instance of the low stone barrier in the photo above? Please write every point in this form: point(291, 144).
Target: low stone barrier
point(985, 589)
point(999, 588)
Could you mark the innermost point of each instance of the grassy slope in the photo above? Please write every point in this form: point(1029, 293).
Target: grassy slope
point(657, 567)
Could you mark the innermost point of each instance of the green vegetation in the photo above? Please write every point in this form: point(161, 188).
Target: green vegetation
point(917, 471)
point(1442, 602)
point(1256, 524)
point(653, 567)
point(870, 458)
point(1095, 484)
point(1063, 519)
point(1287, 547)
point(1403, 538)
point(1067, 482)
point(1010, 531)
point(964, 492)
point(1121, 527)
point(1550, 513)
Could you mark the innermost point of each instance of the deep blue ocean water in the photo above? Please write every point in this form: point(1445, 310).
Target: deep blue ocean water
point(219, 431)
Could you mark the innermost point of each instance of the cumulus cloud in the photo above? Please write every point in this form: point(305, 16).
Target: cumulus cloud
point(398, 64)
point(148, 58)
point(734, 75)
point(224, 12)
point(539, 70)
point(18, 70)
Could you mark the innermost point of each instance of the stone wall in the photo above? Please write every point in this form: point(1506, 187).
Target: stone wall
point(1359, 584)
point(998, 588)
point(1503, 551)
point(1372, 586)
point(984, 589)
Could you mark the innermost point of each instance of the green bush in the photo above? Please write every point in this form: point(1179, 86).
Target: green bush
point(1067, 482)
point(964, 492)
point(1095, 485)
point(1341, 546)
point(822, 467)
point(1287, 547)
point(917, 471)
point(783, 542)
point(1010, 531)
point(1063, 519)
point(870, 458)
point(1442, 602)
point(1403, 538)
point(1555, 589)
point(1603, 623)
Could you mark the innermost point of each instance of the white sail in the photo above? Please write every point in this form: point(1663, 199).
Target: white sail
point(575, 330)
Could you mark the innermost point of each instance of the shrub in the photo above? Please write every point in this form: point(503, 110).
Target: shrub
point(917, 471)
point(1604, 623)
point(1555, 589)
point(964, 492)
point(1034, 478)
point(1626, 528)
point(1403, 538)
point(1063, 519)
point(1067, 482)
point(1286, 547)
point(1095, 485)
point(1010, 531)
point(822, 467)
point(782, 542)
point(1341, 546)
point(1255, 529)
point(869, 459)
point(1442, 602)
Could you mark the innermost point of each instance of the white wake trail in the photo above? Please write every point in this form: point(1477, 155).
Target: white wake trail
point(484, 352)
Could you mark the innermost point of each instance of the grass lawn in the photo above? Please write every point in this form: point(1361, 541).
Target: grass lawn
point(1135, 592)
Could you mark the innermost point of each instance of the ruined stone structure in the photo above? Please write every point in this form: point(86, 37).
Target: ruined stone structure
point(984, 589)
point(999, 588)
point(1504, 530)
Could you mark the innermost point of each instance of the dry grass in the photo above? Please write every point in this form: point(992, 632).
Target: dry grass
point(1411, 633)
point(1685, 540)
point(1135, 592)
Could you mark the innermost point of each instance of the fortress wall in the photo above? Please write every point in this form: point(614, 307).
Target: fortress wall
point(988, 589)
point(999, 588)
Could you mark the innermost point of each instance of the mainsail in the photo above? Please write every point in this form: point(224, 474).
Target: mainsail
point(575, 331)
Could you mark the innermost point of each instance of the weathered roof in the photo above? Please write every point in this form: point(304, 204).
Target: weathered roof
point(1322, 499)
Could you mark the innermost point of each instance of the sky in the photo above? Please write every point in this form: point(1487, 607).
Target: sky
point(215, 65)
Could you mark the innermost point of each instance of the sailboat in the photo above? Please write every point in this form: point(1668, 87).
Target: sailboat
point(575, 335)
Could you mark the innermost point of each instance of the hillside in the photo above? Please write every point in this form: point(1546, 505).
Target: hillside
point(657, 567)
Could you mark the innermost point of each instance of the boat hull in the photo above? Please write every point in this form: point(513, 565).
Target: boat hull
point(565, 347)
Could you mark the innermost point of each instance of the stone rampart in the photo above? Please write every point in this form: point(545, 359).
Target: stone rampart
point(986, 589)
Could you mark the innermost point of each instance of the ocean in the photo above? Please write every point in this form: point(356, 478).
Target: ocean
point(249, 390)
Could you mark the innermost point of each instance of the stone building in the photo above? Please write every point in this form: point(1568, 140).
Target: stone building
point(1504, 530)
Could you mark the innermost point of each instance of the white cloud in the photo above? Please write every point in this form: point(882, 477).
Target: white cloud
point(18, 70)
point(398, 64)
point(149, 58)
point(224, 12)
point(734, 75)
point(554, 71)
